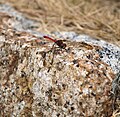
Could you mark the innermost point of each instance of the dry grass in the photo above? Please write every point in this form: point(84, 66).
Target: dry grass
point(98, 18)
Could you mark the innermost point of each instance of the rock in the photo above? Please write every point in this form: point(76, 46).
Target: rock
point(20, 23)
point(37, 79)
point(110, 53)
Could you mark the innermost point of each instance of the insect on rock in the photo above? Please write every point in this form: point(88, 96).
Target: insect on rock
point(60, 45)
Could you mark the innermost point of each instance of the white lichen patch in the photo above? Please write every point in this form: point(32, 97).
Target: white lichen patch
point(18, 108)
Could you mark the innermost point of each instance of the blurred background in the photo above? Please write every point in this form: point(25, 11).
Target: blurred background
point(97, 18)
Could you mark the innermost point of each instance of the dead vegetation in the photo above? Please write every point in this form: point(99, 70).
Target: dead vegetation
point(100, 19)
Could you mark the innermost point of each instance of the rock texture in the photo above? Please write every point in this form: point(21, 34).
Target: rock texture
point(37, 79)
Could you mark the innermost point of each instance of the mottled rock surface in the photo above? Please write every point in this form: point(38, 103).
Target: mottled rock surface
point(39, 80)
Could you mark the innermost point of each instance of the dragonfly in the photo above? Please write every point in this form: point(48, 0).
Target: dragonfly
point(59, 43)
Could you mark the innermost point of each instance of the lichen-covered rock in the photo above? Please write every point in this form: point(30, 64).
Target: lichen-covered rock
point(37, 79)
point(78, 83)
